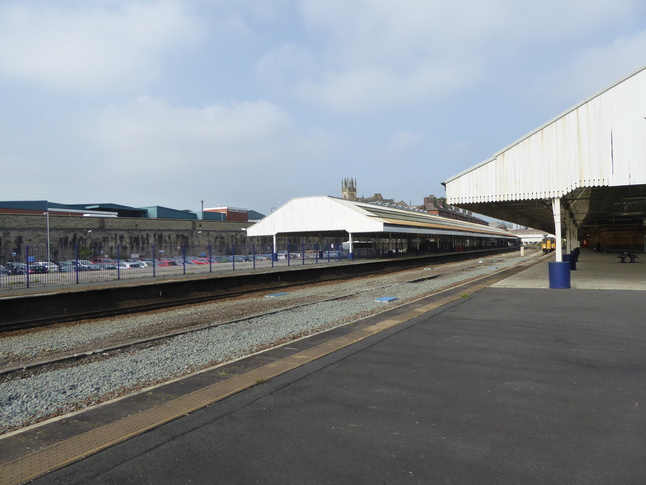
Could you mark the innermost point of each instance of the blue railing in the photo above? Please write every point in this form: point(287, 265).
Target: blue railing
point(30, 266)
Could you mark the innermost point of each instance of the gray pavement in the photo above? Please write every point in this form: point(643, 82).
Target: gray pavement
point(508, 385)
point(594, 271)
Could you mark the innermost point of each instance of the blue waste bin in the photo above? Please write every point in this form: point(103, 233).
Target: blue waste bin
point(559, 274)
point(573, 260)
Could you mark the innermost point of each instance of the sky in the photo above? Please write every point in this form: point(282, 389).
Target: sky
point(252, 103)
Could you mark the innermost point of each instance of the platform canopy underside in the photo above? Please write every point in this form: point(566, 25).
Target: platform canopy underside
point(619, 207)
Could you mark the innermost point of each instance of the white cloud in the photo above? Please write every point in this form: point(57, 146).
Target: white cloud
point(404, 141)
point(368, 55)
point(92, 49)
point(595, 68)
point(250, 154)
point(285, 62)
point(150, 134)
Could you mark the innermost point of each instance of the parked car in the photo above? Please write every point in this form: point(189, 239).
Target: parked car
point(37, 269)
point(135, 263)
point(4, 270)
point(163, 263)
point(88, 264)
point(51, 267)
point(16, 268)
point(103, 261)
point(65, 267)
point(71, 266)
point(128, 265)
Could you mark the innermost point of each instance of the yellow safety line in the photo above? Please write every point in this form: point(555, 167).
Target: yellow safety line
point(53, 457)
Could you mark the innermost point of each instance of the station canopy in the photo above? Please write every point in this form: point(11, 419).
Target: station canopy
point(335, 217)
point(592, 158)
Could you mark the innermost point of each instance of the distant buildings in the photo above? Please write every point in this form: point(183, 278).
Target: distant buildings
point(433, 205)
point(230, 214)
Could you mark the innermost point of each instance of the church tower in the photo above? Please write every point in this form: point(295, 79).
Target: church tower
point(349, 189)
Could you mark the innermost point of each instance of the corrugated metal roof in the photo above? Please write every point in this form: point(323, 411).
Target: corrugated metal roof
point(592, 157)
point(541, 127)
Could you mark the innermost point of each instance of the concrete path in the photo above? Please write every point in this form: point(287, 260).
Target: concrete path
point(599, 271)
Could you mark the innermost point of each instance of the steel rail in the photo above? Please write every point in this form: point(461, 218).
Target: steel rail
point(77, 356)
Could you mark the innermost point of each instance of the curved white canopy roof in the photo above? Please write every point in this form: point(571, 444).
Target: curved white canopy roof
point(331, 215)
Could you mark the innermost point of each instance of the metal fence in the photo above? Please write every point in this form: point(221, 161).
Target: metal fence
point(31, 266)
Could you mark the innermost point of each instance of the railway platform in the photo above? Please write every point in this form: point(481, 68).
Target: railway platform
point(497, 381)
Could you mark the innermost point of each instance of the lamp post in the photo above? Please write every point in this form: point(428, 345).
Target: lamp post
point(47, 225)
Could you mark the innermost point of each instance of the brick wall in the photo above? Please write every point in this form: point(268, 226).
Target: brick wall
point(132, 234)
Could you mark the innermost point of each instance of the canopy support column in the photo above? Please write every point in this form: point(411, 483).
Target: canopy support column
point(559, 271)
point(556, 210)
point(274, 249)
point(350, 248)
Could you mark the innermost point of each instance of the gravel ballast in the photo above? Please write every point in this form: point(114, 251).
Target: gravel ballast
point(27, 400)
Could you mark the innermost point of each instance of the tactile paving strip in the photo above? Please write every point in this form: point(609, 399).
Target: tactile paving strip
point(38, 463)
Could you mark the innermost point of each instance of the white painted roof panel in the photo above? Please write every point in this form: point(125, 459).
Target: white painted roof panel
point(599, 142)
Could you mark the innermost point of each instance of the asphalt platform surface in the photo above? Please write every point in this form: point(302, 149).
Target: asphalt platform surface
point(507, 385)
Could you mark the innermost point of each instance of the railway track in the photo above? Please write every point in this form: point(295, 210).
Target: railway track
point(85, 353)
point(110, 299)
point(76, 356)
point(156, 331)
